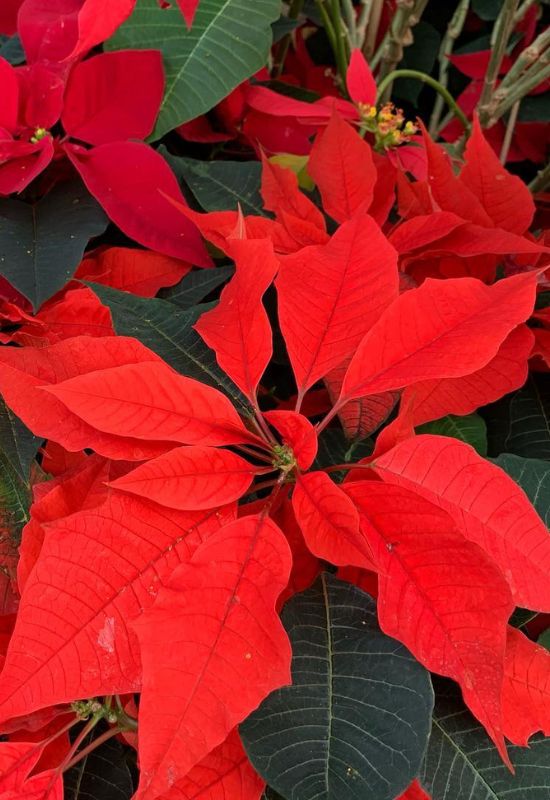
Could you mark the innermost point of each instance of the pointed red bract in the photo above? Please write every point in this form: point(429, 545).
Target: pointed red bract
point(17, 760)
point(190, 478)
point(114, 96)
point(505, 197)
point(225, 774)
point(428, 400)
point(330, 296)
point(361, 416)
point(130, 181)
point(330, 522)
point(281, 194)
point(188, 8)
point(297, 432)
point(96, 571)
point(238, 328)
point(213, 646)
point(439, 594)
point(360, 80)
point(526, 689)
point(150, 401)
point(59, 30)
point(26, 372)
point(487, 506)
point(427, 333)
point(342, 166)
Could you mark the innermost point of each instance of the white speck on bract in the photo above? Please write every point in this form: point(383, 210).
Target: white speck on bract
point(106, 637)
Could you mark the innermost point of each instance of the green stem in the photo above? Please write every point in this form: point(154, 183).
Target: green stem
point(294, 11)
point(500, 37)
point(341, 53)
point(528, 57)
point(327, 24)
point(541, 180)
point(507, 98)
point(371, 29)
point(399, 35)
point(510, 126)
point(454, 29)
point(422, 76)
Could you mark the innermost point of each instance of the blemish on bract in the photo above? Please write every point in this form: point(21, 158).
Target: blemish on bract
point(106, 637)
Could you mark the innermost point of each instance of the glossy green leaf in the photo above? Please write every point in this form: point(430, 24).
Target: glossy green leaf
point(196, 285)
point(228, 42)
point(15, 500)
point(169, 333)
point(470, 429)
point(221, 185)
point(354, 724)
point(41, 244)
point(421, 55)
point(462, 764)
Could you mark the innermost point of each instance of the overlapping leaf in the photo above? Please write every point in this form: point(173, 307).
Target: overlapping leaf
point(213, 646)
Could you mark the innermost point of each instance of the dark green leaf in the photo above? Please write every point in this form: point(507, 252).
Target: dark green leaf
point(15, 500)
point(520, 424)
point(282, 26)
point(102, 775)
point(229, 42)
point(334, 448)
point(535, 108)
point(355, 722)
point(41, 245)
point(533, 475)
point(544, 639)
point(196, 285)
point(221, 185)
point(17, 443)
point(470, 429)
point(521, 617)
point(487, 10)
point(168, 332)
point(462, 764)
point(11, 49)
point(420, 55)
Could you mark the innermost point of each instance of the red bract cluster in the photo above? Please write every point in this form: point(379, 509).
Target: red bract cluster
point(138, 571)
point(58, 106)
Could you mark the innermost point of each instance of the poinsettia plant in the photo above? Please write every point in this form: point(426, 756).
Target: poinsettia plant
point(275, 492)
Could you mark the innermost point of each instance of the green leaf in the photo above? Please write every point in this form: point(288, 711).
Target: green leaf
point(535, 108)
point(520, 424)
point(42, 244)
point(462, 764)
point(544, 639)
point(169, 333)
point(229, 42)
point(470, 429)
point(17, 443)
point(533, 475)
point(355, 721)
point(221, 185)
point(196, 285)
point(487, 10)
point(102, 775)
point(11, 49)
point(335, 448)
point(15, 500)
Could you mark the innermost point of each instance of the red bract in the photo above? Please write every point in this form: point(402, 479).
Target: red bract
point(158, 563)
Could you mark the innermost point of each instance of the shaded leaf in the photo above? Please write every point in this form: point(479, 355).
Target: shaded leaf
point(195, 286)
point(169, 333)
point(355, 721)
point(101, 775)
point(470, 429)
point(533, 475)
point(228, 43)
point(17, 443)
point(521, 424)
point(460, 764)
point(41, 245)
point(220, 185)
